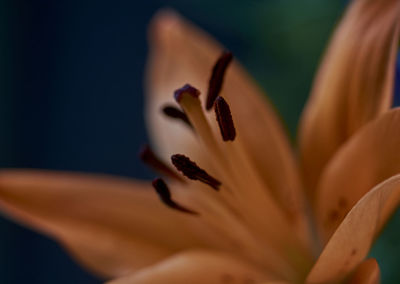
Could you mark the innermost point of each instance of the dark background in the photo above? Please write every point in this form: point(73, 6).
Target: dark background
point(71, 94)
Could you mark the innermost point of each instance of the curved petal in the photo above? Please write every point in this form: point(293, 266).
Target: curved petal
point(368, 158)
point(354, 84)
point(196, 267)
point(113, 225)
point(180, 54)
point(353, 239)
point(367, 272)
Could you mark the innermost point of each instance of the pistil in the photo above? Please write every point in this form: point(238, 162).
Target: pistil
point(188, 99)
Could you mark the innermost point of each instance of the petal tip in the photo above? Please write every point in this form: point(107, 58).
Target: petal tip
point(163, 23)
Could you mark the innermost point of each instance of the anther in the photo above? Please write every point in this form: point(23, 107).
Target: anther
point(224, 118)
point(186, 90)
point(150, 158)
point(217, 78)
point(174, 112)
point(165, 196)
point(192, 171)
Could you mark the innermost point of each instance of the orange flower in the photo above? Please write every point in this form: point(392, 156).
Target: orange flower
point(243, 211)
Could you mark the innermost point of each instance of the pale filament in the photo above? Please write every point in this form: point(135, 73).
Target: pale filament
point(218, 215)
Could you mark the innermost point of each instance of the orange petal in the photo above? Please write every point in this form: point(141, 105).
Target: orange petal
point(352, 240)
point(354, 84)
point(368, 158)
point(275, 282)
point(113, 225)
point(367, 272)
point(180, 54)
point(196, 267)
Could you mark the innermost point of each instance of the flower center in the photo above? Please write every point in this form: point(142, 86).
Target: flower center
point(231, 197)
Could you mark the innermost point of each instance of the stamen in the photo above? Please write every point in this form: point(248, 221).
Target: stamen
point(186, 89)
point(150, 158)
point(165, 196)
point(217, 78)
point(191, 170)
point(224, 118)
point(191, 105)
point(176, 113)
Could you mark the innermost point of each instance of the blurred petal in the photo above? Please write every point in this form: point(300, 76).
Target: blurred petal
point(196, 267)
point(368, 158)
point(354, 84)
point(276, 282)
point(367, 272)
point(180, 54)
point(352, 240)
point(112, 225)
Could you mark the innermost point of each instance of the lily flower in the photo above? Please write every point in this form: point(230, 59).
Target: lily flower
point(236, 205)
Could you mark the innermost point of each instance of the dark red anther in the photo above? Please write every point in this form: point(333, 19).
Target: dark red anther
point(217, 78)
point(165, 196)
point(224, 118)
point(191, 170)
point(174, 112)
point(186, 89)
point(150, 158)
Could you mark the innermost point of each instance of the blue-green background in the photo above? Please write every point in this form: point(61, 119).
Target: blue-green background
point(71, 94)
